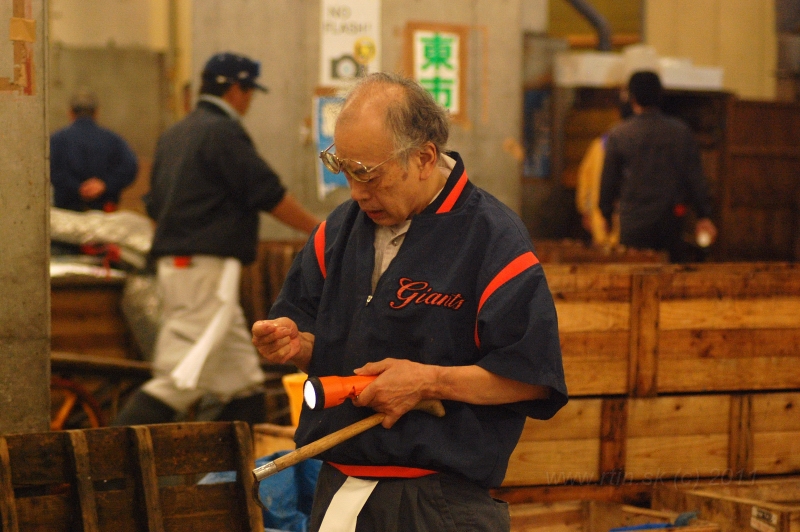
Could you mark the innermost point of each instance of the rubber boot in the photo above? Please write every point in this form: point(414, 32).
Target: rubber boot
point(144, 409)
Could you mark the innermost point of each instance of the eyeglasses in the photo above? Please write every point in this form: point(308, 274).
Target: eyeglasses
point(355, 170)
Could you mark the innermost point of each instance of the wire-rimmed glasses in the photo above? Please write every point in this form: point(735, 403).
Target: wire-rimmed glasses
point(355, 170)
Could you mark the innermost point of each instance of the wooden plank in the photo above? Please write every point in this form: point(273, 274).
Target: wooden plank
point(735, 513)
point(585, 282)
point(202, 508)
point(644, 328)
point(740, 439)
point(118, 510)
point(776, 412)
point(613, 437)
point(638, 493)
point(83, 481)
point(595, 363)
point(98, 365)
point(776, 453)
point(554, 462)
point(46, 458)
point(191, 448)
point(563, 449)
point(579, 419)
point(244, 470)
point(556, 517)
point(682, 415)
point(8, 506)
point(51, 513)
point(683, 459)
point(731, 374)
point(147, 478)
point(733, 280)
point(588, 516)
point(729, 343)
point(592, 316)
point(764, 313)
point(678, 436)
point(99, 326)
point(604, 516)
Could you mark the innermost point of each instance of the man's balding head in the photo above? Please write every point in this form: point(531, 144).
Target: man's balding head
point(410, 114)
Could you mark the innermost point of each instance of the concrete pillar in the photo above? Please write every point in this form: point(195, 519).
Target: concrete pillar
point(24, 222)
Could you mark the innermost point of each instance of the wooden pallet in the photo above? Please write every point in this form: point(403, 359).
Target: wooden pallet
point(766, 505)
point(593, 516)
point(128, 479)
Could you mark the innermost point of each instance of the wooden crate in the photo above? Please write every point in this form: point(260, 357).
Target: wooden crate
point(592, 516)
point(125, 479)
point(575, 251)
point(616, 440)
point(262, 280)
point(86, 317)
point(644, 330)
point(763, 505)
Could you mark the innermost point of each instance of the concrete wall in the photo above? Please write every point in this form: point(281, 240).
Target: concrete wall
point(24, 223)
point(284, 36)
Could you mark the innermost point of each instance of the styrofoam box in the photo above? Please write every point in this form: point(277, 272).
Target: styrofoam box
point(589, 69)
point(682, 74)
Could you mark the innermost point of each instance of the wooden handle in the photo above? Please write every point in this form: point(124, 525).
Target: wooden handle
point(431, 406)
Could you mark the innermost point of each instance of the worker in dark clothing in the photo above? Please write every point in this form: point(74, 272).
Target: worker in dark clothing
point(89, 165)
point(208, 186)
point(652, 168)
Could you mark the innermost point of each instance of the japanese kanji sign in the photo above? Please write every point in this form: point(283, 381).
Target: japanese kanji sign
point(438, 63)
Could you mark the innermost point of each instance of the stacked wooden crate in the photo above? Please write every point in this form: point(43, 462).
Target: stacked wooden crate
point(596, 516)
point(677, 374)
point(128, 479)
point(768, 505)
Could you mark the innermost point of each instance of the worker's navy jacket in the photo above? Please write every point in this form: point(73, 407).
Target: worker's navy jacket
point(465, 288)
point(83, 150)
point(208, 185)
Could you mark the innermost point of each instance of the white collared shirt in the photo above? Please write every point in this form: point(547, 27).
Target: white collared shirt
point(389, 238)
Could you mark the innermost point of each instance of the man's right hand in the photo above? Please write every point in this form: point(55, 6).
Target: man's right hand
point(279, 341)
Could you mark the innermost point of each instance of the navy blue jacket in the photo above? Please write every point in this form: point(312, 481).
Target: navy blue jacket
point(83, 150)
point(207, 187)
point(465, 288)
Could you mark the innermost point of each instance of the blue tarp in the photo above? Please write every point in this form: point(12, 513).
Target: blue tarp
point(287, 495)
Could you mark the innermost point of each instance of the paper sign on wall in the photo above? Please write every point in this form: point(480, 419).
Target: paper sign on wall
point(326, 109)
point(350, 40)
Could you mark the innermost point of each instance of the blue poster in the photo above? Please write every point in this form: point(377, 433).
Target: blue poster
point(326, 109)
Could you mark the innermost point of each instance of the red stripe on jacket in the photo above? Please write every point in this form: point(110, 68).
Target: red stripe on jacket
point(319, 248)
point(512, 269)
point(451, 199)
point(382, 471)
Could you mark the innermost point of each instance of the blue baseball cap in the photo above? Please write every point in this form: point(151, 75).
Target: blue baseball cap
point(233, 68)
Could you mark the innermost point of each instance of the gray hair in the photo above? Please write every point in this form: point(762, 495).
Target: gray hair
point(414, 120)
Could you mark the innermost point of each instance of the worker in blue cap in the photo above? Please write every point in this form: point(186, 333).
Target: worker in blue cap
point(208, 185)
